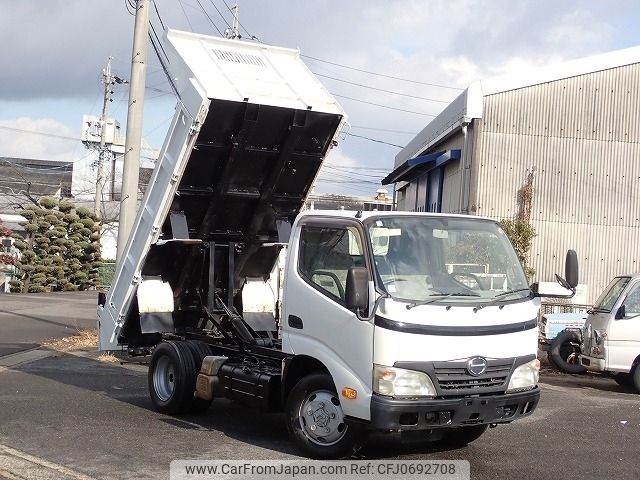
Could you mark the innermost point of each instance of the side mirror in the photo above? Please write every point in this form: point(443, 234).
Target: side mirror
point(621, 313)
point(357, 288)
point(571, 268)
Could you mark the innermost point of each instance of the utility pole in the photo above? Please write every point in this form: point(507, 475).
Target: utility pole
point(234, 31)
point(131, 168)
point(107, 80)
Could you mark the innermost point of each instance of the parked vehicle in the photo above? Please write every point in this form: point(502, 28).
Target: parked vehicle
point(377, 330)
point(611, 334)
point(561, 336)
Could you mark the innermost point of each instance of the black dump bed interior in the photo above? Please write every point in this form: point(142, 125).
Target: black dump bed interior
point(252, 164)
point(252, 167)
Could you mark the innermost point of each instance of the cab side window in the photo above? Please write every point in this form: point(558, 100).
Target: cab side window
point(632, 303)
point(326, 254)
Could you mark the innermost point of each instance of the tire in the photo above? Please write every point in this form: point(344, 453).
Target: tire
point(199, 350)
point(564, 352)
point(172, 378)
point(313, 407)
point(623, 379)
point(636, 378)
point(462, 436)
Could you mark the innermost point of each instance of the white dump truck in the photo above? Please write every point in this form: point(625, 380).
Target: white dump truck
point(376, 331)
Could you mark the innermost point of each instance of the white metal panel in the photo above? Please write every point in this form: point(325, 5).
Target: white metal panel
point(246, 71)
point(153, 209)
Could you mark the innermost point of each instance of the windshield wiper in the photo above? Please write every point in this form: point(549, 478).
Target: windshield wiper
point(497, 298)
point(440, 297)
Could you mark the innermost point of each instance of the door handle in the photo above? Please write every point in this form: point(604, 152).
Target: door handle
point(295, 322)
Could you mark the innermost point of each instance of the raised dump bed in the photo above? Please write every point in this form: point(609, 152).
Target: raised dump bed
point(249, 135)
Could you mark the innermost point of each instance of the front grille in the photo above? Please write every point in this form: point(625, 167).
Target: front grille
point(454, 379)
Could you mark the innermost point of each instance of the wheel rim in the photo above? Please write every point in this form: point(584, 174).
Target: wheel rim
point(569, 351)
point(321, 418)
point(164, 379)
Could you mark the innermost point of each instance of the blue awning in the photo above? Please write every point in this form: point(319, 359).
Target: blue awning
point(419, 165)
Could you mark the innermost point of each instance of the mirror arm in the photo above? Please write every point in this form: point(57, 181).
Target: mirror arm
point(372, 314)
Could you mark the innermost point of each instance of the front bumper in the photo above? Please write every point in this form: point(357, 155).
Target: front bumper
point(396, 414)
point(593, 364)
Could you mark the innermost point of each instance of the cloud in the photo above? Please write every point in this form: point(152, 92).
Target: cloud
point(57, 49)
point(17, 141)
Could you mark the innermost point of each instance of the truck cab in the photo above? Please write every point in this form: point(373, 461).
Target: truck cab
point(410, 343)
point(611, 334)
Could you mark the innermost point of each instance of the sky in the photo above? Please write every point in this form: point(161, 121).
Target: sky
point(54, 51)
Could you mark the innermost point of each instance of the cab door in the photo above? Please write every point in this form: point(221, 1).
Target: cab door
point(316, 320)
point(623, 336)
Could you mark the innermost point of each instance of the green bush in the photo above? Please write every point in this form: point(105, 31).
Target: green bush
point(60, 248)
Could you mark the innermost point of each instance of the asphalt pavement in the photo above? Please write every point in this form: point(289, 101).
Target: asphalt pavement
point(69, 416)
point(28, 320)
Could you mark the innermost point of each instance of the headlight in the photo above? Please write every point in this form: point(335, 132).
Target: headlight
point(599, 336)
point(398, 382)
point(525, 377)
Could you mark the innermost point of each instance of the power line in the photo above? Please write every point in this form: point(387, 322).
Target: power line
point(210, 19)
point(44, 134)
point(380, 89)
point(185, 15)
point(220, 13)
point(347, 170)
point(374, 140)
point(381, 74)
point(158, 14)
point(404, 132)
point(35, 132)
point(382, 106)
point(373, 169)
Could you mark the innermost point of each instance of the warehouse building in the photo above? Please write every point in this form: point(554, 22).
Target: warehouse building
point(570, 134)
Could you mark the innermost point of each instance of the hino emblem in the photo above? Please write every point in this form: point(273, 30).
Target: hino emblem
point(477, 366)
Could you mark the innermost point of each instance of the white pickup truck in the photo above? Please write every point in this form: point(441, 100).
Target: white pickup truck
point(377, 331)
point(611, 334)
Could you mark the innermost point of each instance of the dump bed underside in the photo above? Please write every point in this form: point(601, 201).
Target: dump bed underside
point(248, 174)
point(251, 165)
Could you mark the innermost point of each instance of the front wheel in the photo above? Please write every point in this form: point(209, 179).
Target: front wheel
point(461, 436)
point(316, 422)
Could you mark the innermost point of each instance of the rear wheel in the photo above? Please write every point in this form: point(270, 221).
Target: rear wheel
point(459, 437)
point(316, 422)
point(565, 352)
point(172, 378)
point(199, 350)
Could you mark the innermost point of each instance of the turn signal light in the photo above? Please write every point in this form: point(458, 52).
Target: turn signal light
point(349, 393)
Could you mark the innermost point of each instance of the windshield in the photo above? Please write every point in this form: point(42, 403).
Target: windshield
point(461, 260)
point(611, 294)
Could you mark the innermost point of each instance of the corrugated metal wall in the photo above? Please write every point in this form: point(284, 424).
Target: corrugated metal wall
point(582, 135)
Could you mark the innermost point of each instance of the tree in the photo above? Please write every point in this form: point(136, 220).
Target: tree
point(61, 249)
point(5, 258)
point(519, 229)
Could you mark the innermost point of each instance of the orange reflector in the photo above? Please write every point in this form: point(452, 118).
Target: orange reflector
point(349, 393)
